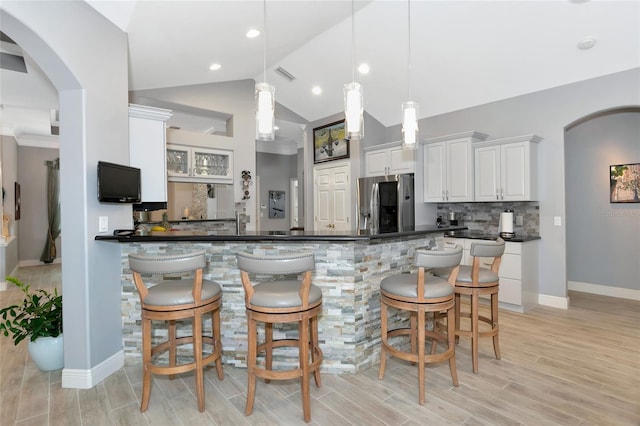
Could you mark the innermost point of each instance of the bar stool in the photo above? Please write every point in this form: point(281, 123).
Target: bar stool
point(283, 300)
point(475, 281)
point(172, 300)
point(421, 293)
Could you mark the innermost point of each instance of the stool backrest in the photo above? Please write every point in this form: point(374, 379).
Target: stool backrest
point(449, 257)
point(282, 264)
point(494, 249)
point(141, 263)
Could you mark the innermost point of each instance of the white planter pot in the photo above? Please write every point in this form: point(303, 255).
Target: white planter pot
point(47, 353)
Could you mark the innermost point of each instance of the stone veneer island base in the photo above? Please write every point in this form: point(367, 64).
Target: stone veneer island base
point(349, 269)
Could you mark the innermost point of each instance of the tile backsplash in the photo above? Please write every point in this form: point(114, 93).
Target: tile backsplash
point(486, 216)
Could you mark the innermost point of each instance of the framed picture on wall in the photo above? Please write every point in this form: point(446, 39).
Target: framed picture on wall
point(624, 183)
point(17, 193)
point(276, 205)
point(330, 143)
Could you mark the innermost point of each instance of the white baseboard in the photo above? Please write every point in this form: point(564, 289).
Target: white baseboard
point(86, 379)
point(604, 290)
point(553, 301)
point(3, 286)
point(36, 262)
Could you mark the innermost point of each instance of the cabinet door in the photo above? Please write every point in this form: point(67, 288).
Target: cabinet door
point(376, 163)
point(515, 172)
point(401, 160)
point(434, 172)
point(209, 163)
point(487, 173)
point(459, 171)
point(147, 152)
point(178, 161)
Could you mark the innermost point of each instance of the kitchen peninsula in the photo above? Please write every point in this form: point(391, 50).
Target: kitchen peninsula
point(349, 268)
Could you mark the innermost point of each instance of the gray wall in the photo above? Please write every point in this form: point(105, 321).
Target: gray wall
point(9, 160)
point(92, 91)
point(33, 225)
point(545, 113)
point(603, 238)
point(275, 172)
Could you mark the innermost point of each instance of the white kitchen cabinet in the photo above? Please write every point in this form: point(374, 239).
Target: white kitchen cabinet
point(518, 272)
point(506, 169)
point(147, 140)
point(448, 167)
point(389, 159)
point(195, 164)
point(332, 197)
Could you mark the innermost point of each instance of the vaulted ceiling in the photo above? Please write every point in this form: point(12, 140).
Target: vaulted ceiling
point(463, 53)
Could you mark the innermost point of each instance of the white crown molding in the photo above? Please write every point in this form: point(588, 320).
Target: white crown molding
point(477, 136)
point(39, 141)
point(151, 113)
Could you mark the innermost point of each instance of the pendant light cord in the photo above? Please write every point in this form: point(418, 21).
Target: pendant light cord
point(353, 42)
point(264, 47)
point(409, 56)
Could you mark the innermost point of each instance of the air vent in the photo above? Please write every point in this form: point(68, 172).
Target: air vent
point(286, 74)
point(55, 130)
point(175, 127)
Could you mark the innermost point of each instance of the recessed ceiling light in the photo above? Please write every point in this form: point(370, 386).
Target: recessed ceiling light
point(363, 69)
point(316, 90)
point(253, 33)
point(215, 67)
point(587, 43)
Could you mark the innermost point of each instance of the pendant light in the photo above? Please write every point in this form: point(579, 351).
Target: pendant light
point(409, 108)
point(353, 105)
point(265, 95)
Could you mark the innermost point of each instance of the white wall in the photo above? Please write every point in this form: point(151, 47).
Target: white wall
point(545, 113)
point(85, 57)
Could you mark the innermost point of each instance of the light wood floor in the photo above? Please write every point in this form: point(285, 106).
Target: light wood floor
point(579, 366)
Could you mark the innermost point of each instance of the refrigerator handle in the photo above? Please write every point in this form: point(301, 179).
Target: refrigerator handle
point(374, 207)
point(400, 198)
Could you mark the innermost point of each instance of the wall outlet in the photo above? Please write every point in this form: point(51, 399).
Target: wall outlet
point(103, 224)
point(557, 221)
point(519, 221)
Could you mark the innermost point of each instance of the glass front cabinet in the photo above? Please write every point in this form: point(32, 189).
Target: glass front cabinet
point(190, 163)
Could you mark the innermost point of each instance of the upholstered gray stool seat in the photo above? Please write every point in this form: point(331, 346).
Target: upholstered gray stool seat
point(179, 292)
point(177, 299)
point(274, 299)
point(421, 293)
point(475, 281)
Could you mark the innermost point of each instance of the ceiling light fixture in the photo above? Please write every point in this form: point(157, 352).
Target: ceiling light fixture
point(253, 33)
point(587, 43)
point(353, 105)
point(409, 108)
point(363, 69)
point(265, 94)
point(215, 67)
point(316, 90)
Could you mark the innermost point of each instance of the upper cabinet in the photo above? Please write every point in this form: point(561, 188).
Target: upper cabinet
point(147, 139)
point(448, 167)
point(389, 159)
point(506, 169)
point(195, 164)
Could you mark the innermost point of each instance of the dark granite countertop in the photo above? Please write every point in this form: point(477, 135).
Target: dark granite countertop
point(482, 235)
point(222, 235)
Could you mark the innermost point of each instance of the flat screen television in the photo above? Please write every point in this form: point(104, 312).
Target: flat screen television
point(118, 183)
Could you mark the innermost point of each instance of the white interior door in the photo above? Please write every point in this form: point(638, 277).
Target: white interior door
point(332, 197)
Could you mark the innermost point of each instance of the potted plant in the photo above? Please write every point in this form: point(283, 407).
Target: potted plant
point(38, 317)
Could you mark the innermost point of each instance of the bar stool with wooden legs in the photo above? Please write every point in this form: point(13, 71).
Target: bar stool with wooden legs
point(283, 300)
point(475, 282)
point(172, 300)
point(421, 293)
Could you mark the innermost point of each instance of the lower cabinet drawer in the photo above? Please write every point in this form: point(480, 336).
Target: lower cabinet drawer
point(510, 291)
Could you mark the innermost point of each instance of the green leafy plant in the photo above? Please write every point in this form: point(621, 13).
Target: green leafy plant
point(39, 314)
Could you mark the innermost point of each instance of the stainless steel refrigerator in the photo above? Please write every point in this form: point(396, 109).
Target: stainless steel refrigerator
point(386, 203)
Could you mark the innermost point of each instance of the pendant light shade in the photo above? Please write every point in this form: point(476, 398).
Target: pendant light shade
point(409, 124)
point(265, 108)
point(265, 94)
point(353, 105)
point(353, 110)
point(409, 108)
